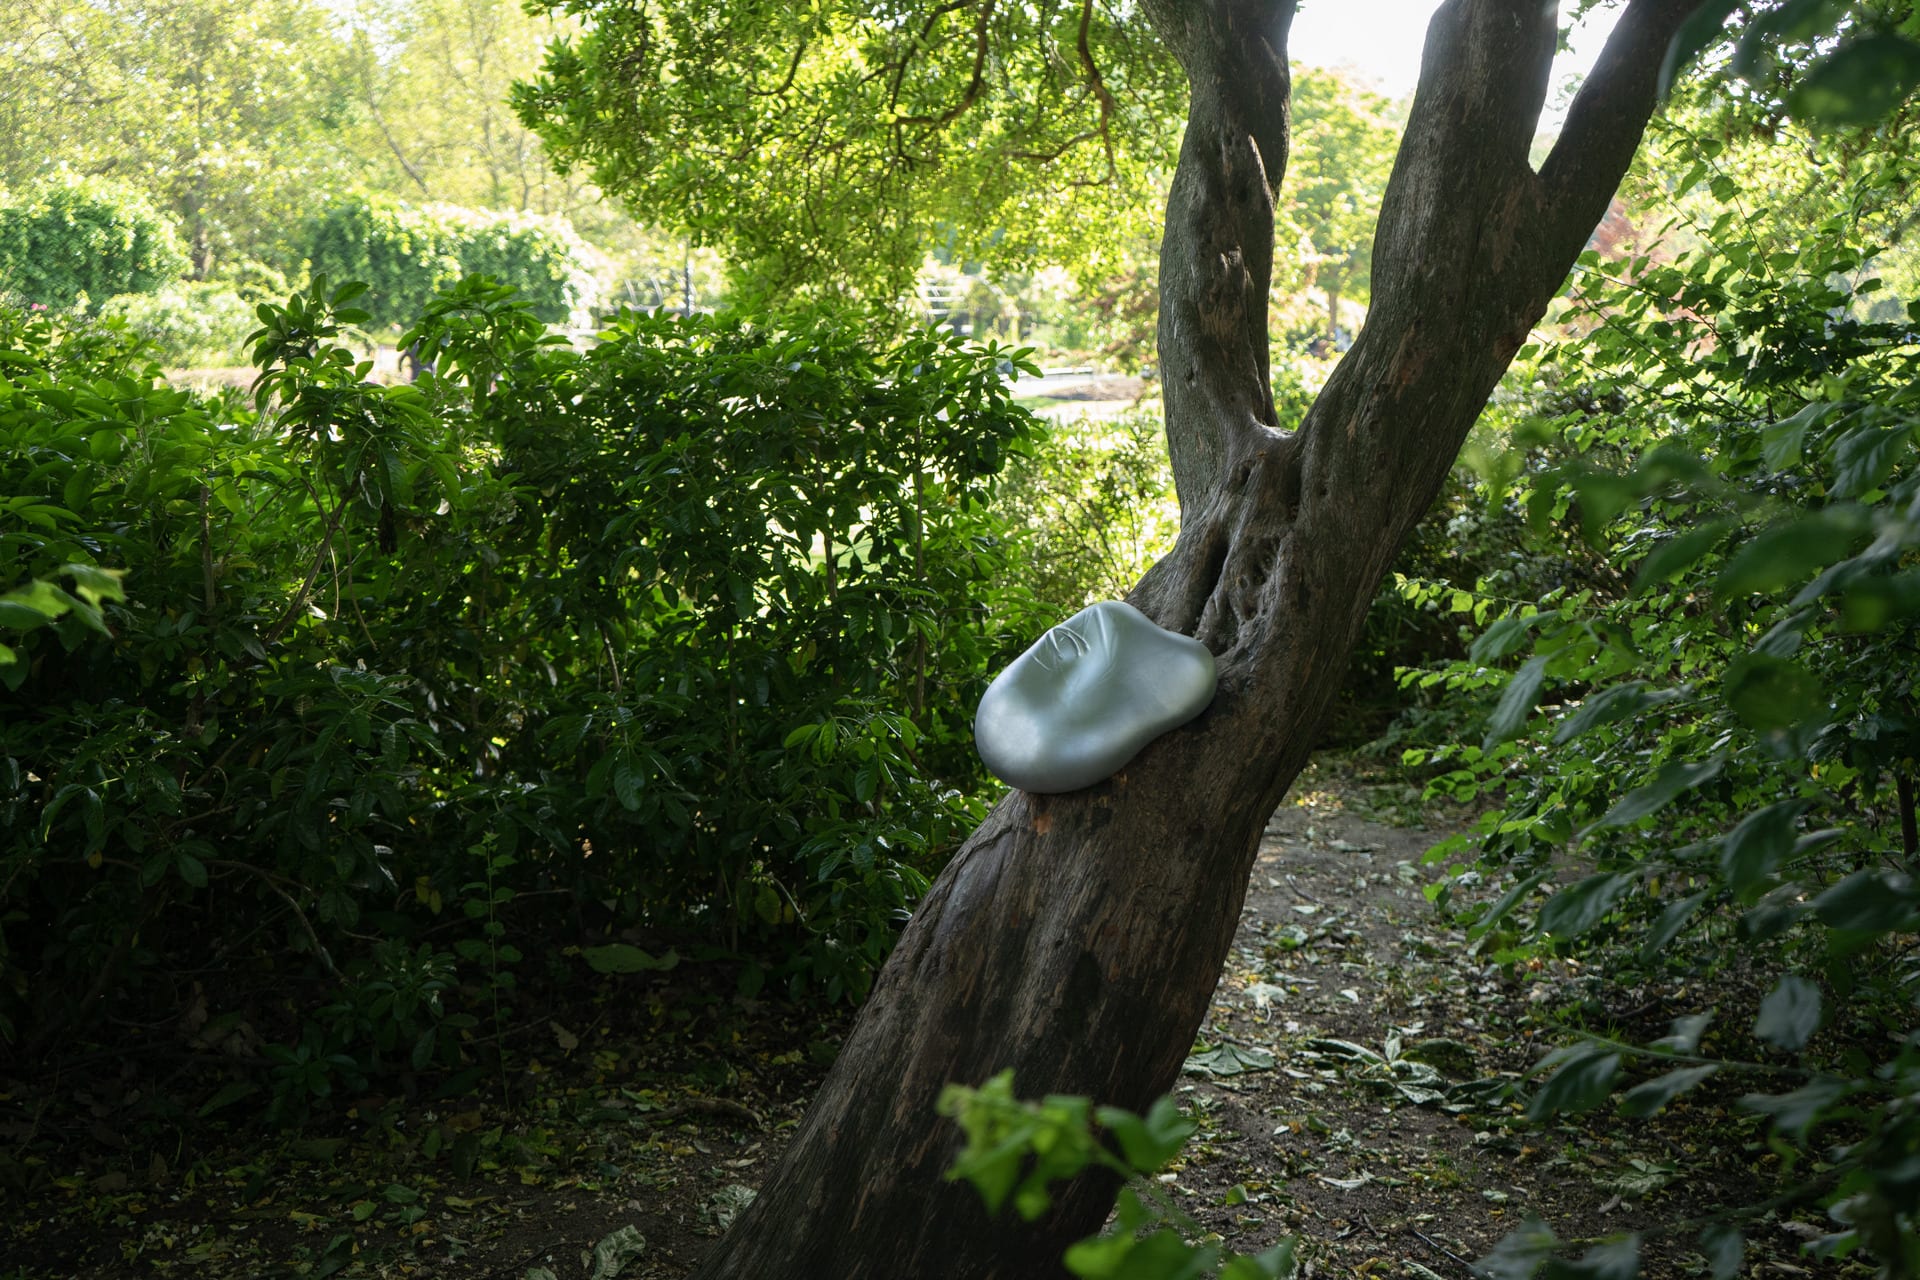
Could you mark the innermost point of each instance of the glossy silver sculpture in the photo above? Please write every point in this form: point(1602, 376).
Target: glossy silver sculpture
point(1080, 703)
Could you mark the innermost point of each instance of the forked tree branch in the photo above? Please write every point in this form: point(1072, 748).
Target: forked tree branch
point(1471, 246)
point(1582, 171)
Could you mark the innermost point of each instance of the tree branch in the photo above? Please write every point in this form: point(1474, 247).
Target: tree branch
point(974, 85)
point(1216, 260)
point(793, 69)
point(1582, 171)
point(1098, 85)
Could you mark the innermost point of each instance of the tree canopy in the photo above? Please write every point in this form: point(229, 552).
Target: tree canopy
point(824, 146)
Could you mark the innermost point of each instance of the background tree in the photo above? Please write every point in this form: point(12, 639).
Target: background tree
point(226, 114)
point(404, 255)
point(1344, 138)
point(236, 120)
point(1076, 938)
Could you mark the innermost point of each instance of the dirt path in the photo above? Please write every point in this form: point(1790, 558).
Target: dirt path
point(1386, 1134)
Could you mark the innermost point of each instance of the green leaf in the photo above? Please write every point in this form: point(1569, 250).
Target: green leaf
point(1794, 1113)
point(1685, 1032)
point(1678, 553)
point(1673, 778)
point(1672, 919)
point(1787, 553)
point(994, 1171)
point(619, 957)
point(1508, 901)
point(1579, 907)
point(1701, 29)
point(628, 786)
point(1874, 602)
point(1603, 495)
point(1229, 1060)
point(1504, 636)
point(227, 1095)
point(464, 1154)
point(1160, 1256)
point(1864, 457)
point(1868, 901)
point(1617, 1259)
point(1785, 22)
point(1725, 1250)
point(1516, 703)
point(94, 584)
point(1750, 852)
point(1584, 1078)
point(1653, 1095)
point(1775, 913)
point(1520, 1254)
point(33, 605)
point(1790, 1014)
point(1781, 442)
point(1272, 1264)
point(191, 869)
point(1609, 705)
point(1861, 82)
point(1148, 1142)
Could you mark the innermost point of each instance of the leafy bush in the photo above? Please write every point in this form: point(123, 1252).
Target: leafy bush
point(73, 238)
point(186, 323)
point(684, 630)
point(1732, 718)
point(406, 254)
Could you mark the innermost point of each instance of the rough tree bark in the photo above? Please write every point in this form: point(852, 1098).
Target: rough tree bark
point(1078, 938)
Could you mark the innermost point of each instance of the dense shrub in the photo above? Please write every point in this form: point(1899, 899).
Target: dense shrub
point(1705, 749)
point(673, 639)
point(70, 238)
point(406, 254)
point(187, 323)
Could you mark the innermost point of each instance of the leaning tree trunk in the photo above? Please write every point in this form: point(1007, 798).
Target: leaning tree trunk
point(1077, 938)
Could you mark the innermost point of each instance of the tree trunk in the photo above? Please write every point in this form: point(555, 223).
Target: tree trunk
point(1078, 938)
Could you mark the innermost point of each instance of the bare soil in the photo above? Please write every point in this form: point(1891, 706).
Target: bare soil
point(1358, 1086)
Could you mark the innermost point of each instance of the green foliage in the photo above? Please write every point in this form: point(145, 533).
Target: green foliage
point(687, 626)
point(69, 239)
point(824, 147)
point(1839, 64)
point(1344, 140)
point(239, 118)
point(1093, 501)
point(1018, 1149)
point(1718, 711)
point(227, 114)
point(186, 323)
point(407, 254)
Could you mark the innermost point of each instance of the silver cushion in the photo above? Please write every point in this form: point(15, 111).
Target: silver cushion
point(1080, 703)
